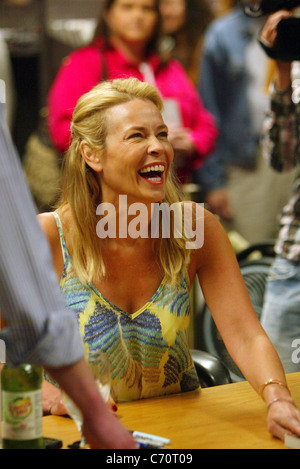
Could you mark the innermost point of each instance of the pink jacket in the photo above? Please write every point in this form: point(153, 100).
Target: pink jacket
point(83, 69)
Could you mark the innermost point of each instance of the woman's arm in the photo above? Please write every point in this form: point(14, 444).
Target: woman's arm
point(48, 225)
point(52, 399)
point(246, 341)
point(227, 298)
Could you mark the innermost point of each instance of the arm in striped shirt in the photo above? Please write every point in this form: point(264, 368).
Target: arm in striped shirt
point(38, 327)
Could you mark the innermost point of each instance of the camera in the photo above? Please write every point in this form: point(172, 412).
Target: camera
point(287, 44)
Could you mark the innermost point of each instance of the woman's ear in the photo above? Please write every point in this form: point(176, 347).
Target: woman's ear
point(91, 156)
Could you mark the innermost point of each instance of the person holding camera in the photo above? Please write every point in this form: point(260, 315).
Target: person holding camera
point(281, 145)
point(237, 182)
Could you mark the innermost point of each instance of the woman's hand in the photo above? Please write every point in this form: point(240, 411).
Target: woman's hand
point(53, 404)
point(283, 418)
point(52, 399)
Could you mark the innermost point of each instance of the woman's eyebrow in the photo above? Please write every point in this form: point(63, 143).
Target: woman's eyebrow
point(141, 127)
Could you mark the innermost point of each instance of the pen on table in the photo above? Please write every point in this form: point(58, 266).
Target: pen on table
point(143, 445)
point(153, 439)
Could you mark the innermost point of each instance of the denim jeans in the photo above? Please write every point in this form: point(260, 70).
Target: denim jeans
point(281, 312)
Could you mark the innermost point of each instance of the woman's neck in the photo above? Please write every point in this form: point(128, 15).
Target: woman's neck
point(134, 52)
point(117, 221)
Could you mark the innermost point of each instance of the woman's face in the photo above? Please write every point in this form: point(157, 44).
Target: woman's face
point(137, 155)
point(132, 21)
point(173, 15)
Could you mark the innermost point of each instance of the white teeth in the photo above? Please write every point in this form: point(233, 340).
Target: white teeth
point(157, 167)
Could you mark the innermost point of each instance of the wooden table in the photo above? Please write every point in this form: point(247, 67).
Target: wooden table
point(229, 416)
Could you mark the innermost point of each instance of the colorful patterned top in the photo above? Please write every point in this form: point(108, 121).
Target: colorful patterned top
point(147, 350)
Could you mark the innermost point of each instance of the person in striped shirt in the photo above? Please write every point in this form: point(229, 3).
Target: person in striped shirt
point(281, 145)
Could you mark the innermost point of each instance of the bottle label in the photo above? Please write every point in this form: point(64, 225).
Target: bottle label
point(22, 415)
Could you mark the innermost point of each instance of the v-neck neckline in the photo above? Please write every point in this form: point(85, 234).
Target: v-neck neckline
point(66, 255)
point(120, 310)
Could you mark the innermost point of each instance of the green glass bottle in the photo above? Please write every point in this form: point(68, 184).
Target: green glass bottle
point(22, 407)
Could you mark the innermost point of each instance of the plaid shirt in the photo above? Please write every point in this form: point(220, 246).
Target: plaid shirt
point(281, 146)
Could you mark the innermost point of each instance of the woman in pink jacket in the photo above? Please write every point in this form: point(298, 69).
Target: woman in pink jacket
point(125, 45)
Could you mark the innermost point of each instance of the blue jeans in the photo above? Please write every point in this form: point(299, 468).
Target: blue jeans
point(281, 312)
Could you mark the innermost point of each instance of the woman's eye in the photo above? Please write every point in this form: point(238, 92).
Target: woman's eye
point(163, 134)
point(136, 135)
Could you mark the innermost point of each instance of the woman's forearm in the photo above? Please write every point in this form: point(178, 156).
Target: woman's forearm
point(259, 363)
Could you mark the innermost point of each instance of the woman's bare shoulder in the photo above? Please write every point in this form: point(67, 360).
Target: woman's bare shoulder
point(47, 223)
point(199, 215)
point(214, 240)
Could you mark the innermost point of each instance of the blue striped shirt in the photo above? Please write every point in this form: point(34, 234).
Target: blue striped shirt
point(39, 328)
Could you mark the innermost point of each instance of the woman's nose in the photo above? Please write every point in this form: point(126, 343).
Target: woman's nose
point(155, 146)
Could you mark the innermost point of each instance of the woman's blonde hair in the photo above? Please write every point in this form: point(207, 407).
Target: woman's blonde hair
point(80, 185)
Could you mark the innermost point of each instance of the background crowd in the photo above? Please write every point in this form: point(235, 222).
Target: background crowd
point(216, 140)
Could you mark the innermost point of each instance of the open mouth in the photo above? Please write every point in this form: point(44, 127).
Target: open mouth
point(153, 173)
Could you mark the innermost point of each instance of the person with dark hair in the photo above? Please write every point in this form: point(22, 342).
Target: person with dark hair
point(125, 44)
point(183, 26)
point(237, 182)
point(281, 311)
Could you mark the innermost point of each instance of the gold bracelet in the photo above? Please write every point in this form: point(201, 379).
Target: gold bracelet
point(271, 381)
